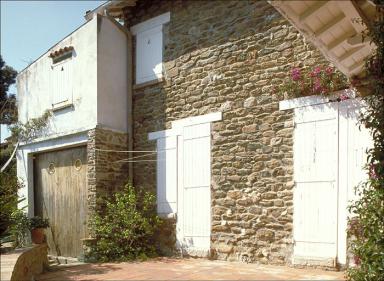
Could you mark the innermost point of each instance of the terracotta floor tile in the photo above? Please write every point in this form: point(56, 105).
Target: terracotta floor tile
point(186, 269)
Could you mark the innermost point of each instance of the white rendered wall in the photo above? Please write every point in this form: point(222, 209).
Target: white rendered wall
point(33, 84)
point(112, 76)
point(100, 94)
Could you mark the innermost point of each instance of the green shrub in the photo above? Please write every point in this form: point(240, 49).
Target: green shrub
point(9, 186)
point(366, 229)
point(19, 229)
point(124, 226)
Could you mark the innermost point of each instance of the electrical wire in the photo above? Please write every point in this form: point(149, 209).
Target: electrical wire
point(136, 157)
point(125, 151)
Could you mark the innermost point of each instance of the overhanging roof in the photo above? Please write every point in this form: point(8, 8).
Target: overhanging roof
point(334, 27)
point(113, 8)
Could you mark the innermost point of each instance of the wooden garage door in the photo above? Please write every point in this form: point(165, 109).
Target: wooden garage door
point(61, 195)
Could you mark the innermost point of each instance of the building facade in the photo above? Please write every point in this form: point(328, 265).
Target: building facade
point(188, 92)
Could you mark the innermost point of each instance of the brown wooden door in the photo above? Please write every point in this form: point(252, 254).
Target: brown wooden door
point(61, 195)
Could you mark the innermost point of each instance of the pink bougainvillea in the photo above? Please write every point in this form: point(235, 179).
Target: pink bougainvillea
point(344, 97)
point(372, 171)
point(317, 71)
point(329, 70)
point(296, 74)
point(321, 80)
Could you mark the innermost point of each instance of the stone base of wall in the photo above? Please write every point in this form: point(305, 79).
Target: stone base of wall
point(107, 166)
point(166, 238)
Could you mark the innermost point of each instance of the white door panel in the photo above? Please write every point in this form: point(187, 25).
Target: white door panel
point(194, 219)
point(354, 142)
point(315, 193)
point(329, 156)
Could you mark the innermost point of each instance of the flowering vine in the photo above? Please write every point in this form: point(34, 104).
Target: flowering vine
point(321, 80)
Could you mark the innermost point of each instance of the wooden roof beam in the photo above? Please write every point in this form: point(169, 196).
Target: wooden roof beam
point(357, 65)
point(349, 53)
point(334, 22)
point(352, 10)
point(341, 39)
point(312, 10)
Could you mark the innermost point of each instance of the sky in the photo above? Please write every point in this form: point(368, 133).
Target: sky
point(30, 28)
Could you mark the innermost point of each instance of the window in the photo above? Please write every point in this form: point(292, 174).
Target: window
point(61, 82)
point(149, 48)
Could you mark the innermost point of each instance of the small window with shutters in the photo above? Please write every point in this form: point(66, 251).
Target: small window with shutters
point(61, 80)
point(149, 48)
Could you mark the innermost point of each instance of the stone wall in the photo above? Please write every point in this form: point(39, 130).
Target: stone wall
point(106, 172)
point(230, 56)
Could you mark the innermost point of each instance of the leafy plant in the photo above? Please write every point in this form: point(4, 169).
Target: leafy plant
point(32, 129)
point(9, 186)
point(38, 222)
point(124, 226)
point(19, 228)
point(8, 112)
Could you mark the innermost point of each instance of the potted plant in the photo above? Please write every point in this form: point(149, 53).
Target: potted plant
point(37, 226)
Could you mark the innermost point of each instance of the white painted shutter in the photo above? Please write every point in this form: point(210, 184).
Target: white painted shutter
point(61, 82)
point(194, 185)
point(166, 175)
point(355, 139)
point(315, 192)
point(149, 54)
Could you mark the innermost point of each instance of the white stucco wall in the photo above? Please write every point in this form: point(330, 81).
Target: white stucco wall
point(33, 85)
point(100, 94)
point(112, 76)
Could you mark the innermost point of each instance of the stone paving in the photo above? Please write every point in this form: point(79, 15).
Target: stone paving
point(185, 269)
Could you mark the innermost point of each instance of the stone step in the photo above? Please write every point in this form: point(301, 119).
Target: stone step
point(62, 260)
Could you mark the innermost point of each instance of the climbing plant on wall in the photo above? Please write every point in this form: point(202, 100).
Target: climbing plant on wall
point(366, 226)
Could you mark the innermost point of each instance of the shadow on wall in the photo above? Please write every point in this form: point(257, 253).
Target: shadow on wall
point(210, 47)
point(229, 56)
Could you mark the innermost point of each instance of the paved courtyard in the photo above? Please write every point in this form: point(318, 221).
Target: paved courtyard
point(186, 269)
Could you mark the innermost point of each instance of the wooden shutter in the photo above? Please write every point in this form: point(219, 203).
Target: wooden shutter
point(62, 82)
point(194, 189)
point(166, 175)
point(149, 54)
point(354, 141)
point(315, 193)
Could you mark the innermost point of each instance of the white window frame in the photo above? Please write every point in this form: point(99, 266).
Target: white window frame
point(155, 23)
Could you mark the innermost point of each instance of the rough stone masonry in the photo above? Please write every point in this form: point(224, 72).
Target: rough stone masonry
point(230, 56)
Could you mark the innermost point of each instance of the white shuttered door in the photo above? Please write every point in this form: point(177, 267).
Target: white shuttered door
point(194, 218)
point(329, 157)
point(315, 193)
point(354, 142)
